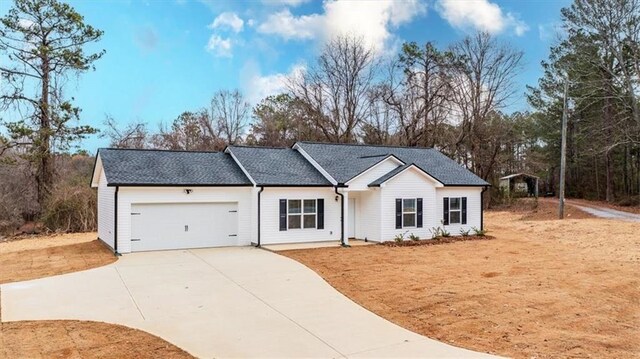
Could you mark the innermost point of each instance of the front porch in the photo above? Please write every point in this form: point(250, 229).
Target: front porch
point(325, 244)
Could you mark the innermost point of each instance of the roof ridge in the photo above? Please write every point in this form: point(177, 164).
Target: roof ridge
point(266, 147)
point(156, 150)
point(364, 145)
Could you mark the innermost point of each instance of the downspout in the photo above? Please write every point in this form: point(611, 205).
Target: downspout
point(341, 217)
point(259, 193)
point(115, 221)
point(482, 208)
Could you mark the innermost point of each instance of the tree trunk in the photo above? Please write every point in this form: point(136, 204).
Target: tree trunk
point(44, 175)
point(610, 184)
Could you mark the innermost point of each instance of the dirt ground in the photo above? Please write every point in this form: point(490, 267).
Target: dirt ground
point(44, 256)
point(541, 288)
point(81, 339)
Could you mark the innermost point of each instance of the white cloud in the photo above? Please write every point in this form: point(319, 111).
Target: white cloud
point(372, 20)
point(257, 86)
point(291, 3)
point(229, 20)
point(287, 26)
point(480, 14)
point(219, 46)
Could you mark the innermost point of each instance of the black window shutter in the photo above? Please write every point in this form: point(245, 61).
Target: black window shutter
point(320, 209)
point(398, 213)
point(283, 214)
point(464, 210)
point(419, 210)
point(445, 211)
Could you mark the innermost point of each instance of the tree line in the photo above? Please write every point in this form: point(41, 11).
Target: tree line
point(459, 99)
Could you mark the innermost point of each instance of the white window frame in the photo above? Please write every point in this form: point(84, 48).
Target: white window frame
point(414, 212)
point(459, 210)
point(303, 213)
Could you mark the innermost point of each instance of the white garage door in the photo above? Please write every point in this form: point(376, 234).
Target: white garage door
point(157, 226)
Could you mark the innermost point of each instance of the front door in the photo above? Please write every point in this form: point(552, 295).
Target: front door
point(352, 218)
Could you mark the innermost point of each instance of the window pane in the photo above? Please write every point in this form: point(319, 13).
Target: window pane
point(454, 217)
point(454, 203)
point(295, 206)
point(409, 220)
point(309, 206)
point(409, 205)
point(310, 221)
point(294, 221)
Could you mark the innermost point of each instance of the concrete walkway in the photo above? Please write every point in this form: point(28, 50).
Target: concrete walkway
point(226, 302)
point(604, 212)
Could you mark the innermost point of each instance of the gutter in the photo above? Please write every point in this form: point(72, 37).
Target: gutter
point(341, 216)
point(115, 221)
point(259, 193)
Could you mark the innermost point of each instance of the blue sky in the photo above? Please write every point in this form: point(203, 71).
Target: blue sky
point(166, 57)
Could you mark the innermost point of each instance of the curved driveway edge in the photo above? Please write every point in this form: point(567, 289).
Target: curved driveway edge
point(224, 302)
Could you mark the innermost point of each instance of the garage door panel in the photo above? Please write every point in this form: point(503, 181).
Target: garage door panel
point(183, 225)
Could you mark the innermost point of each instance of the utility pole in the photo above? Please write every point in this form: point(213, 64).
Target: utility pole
point(563, 150)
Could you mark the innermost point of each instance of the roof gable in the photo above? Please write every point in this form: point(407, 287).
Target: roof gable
point(399, 171)
point(389, 159)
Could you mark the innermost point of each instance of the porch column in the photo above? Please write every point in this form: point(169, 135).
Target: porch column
point(345, 221)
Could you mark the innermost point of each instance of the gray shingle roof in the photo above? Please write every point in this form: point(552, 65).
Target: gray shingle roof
point(158, 167)
point(278, 166)
point(345, 161)
point(387, 176)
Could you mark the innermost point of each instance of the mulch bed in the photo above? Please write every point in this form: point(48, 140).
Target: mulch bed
point(435, 241)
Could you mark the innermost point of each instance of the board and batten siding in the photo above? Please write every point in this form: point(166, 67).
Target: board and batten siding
point(409, 184)
point(270, 215)
point(106, 224)
point(474, 207)
point(361, 181)
point(129, 195)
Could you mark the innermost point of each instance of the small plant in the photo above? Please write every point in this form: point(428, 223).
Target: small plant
point(465, 233)
point(445, 233)
point(435, 232)
point(414, 237)
point(479, 232)
point(399, 237)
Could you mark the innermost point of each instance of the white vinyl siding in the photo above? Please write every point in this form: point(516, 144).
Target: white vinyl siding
point(270, 222)
point(105, 211)
point(473, 195)
point(361, 182)
point(141, 195)
point(409, 184)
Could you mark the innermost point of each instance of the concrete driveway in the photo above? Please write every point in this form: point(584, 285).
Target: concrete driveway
point(226, 302)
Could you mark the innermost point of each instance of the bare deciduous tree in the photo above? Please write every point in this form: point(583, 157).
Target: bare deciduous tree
point(420, 95)
point(229, 116)
point(336, 89)
point(133, 135)
point(484, 85)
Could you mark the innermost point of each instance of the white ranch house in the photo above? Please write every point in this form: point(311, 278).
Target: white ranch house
point(155, 200)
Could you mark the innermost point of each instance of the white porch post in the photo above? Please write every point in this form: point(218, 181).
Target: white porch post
point(345, 220)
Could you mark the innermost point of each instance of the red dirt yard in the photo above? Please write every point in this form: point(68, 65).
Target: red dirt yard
point(541, 288)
